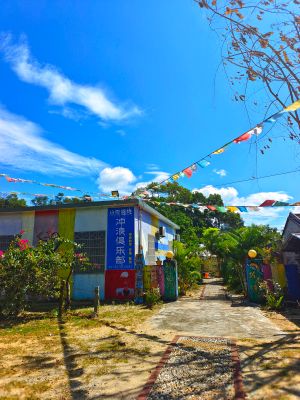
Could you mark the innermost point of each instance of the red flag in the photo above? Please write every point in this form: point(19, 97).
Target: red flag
point(267, 203)
point(10, 179)
point(243, 137)
point(188, 172)
point(212, 208)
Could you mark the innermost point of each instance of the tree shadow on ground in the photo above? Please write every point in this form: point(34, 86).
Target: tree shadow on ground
point(73, 370)
point(292, 314)
point(268, 363)
point(39, 362)
point(110, 348)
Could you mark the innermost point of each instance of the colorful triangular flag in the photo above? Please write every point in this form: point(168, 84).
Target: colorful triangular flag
point(267, 203)
point(188, 172)
point(203, 163)
point(219, 151)
point(280, 204)
point(243, 137)
point(292, 107)
point(222, 209)
point(232, 208)
point(175, 177)
point(212, 208)
point(253, 208)
point(274, 117)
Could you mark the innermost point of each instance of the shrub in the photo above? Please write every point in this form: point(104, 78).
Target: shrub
point(27, 272)
point(196, 276)
point(152, 297)
point(274, 298)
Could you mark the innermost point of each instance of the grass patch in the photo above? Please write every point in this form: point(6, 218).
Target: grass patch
point(29, 391)
point(36, 327)
point(39, 345)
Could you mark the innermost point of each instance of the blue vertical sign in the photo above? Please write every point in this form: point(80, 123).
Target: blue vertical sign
point(120, 238)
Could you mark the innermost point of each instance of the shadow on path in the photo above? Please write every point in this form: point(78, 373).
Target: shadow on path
point(74, 372)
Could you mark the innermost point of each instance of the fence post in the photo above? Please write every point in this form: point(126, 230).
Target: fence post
point(96, 301)
point(61, 297)
point(68, 296)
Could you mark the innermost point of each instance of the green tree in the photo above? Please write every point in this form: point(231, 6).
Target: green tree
point(232, 247)
point(191, 222)
point(40, 201)
point(58, 199)
point(27, 271)
point(12, 201)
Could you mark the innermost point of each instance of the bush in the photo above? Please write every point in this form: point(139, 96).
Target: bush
point(196, 276)
point(152, 297)
point(231, 277)
point(27, 272)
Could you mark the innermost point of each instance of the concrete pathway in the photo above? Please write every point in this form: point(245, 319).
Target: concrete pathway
point(214, 316)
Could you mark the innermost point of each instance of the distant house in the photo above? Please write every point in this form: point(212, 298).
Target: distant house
point(112, 234)
point(291, 239)
point(291, 255)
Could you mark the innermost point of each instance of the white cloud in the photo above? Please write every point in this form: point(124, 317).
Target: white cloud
point(221, 172)
point(123, 179)
point(158, 176)
point(117, 178)
point(229, 195)
point(152, 167)
point(22, 146)
point(62, 90)
point(266, 215)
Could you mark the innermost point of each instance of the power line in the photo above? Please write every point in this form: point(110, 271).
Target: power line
point(259, 177)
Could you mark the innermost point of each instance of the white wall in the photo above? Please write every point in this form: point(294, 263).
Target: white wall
point(90, 219)
point(10, 223)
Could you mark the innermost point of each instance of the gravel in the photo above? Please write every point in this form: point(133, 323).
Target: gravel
point(197, 368)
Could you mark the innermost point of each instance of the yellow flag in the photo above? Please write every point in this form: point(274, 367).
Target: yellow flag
point(219, 151)
point(232, 208)
point(175, 177)
point(293, 107)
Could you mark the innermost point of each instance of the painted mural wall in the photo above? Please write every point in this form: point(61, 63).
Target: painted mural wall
point(121, 227)
point(154, 248)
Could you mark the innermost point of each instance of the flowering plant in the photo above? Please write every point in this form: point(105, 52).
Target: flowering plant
point(27, 272)
point(273, 297)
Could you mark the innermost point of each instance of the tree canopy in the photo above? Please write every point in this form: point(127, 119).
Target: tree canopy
point(192, 222)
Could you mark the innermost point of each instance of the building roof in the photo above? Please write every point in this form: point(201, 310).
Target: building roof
point(100, 204)
point(291, 217)
point(292, 243)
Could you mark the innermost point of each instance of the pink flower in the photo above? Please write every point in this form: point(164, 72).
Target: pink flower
point(1, 254)
point(23, 244)
point(21, 232)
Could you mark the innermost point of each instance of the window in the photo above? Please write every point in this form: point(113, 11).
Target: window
point(93, 244)
point(151, 250)
point(5, 241)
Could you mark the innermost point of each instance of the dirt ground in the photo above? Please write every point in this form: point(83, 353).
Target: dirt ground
point(112, 356)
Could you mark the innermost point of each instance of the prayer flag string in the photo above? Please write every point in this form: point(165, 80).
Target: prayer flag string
point(257, 130)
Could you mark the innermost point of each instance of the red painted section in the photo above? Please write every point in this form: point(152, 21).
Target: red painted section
point(119, 284)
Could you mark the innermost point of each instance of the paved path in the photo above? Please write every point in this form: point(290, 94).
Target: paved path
point(214, 316)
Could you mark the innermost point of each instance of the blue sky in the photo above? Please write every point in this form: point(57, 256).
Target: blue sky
point(105, 95)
